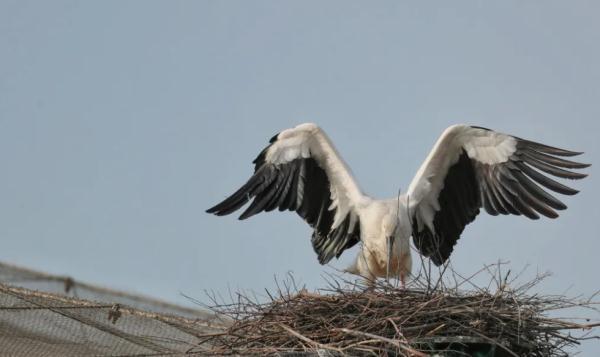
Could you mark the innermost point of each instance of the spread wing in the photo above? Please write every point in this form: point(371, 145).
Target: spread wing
point(301, 171)
point(470, 167)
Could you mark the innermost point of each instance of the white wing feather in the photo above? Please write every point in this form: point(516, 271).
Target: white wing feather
point(485, 146)
point(308, 140)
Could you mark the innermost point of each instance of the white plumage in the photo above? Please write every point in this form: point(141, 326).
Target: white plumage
point(468, 168)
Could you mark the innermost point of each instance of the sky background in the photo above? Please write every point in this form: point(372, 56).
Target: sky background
point(121, 122)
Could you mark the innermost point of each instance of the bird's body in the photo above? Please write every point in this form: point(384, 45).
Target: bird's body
point(468, 168)
point(384, 221)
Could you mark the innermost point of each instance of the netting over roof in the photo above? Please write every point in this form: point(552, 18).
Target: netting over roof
point(65, 285)
point(35, 323)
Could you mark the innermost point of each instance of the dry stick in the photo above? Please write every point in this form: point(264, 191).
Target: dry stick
point(418, 310)
point(390, 242)
point(396, 343)
point(441, 275)
point(571, 326)
point(423, 269)
point(308, 340)
point(430, 333)
point(490, 340)
point(519, 321)
point(359, 343)
point(398, 332)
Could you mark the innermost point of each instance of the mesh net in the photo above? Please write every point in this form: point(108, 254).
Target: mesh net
point(67, 286)
point(42, 323)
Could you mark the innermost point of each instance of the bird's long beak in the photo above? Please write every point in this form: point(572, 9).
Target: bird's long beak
point(390, 245)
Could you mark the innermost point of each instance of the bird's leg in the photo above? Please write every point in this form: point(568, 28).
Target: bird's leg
point(370, 284)
point(402, 280)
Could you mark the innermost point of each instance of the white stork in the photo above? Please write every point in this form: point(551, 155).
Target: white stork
point(468, 168)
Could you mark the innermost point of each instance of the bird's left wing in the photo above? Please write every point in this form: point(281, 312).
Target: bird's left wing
point(470, 167)
point(301, 171)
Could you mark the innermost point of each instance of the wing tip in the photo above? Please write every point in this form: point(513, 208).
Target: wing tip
point(568, 153)
point(553, 150)
point(571, 192)
point(323, 260)
point(214, 210)
point(583, 165)
point(244, 216)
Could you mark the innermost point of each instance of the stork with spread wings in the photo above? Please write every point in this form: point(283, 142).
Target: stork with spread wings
point(468, 168)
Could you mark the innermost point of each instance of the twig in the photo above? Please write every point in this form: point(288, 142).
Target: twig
point(396, 343)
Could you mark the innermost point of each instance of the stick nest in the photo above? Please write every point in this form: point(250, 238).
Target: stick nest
point(348, 318)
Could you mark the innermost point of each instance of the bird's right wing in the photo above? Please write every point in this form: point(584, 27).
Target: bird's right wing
point(301, 171)
point(470, 167)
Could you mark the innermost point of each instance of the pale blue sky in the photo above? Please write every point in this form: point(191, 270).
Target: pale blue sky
point(122, 121)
